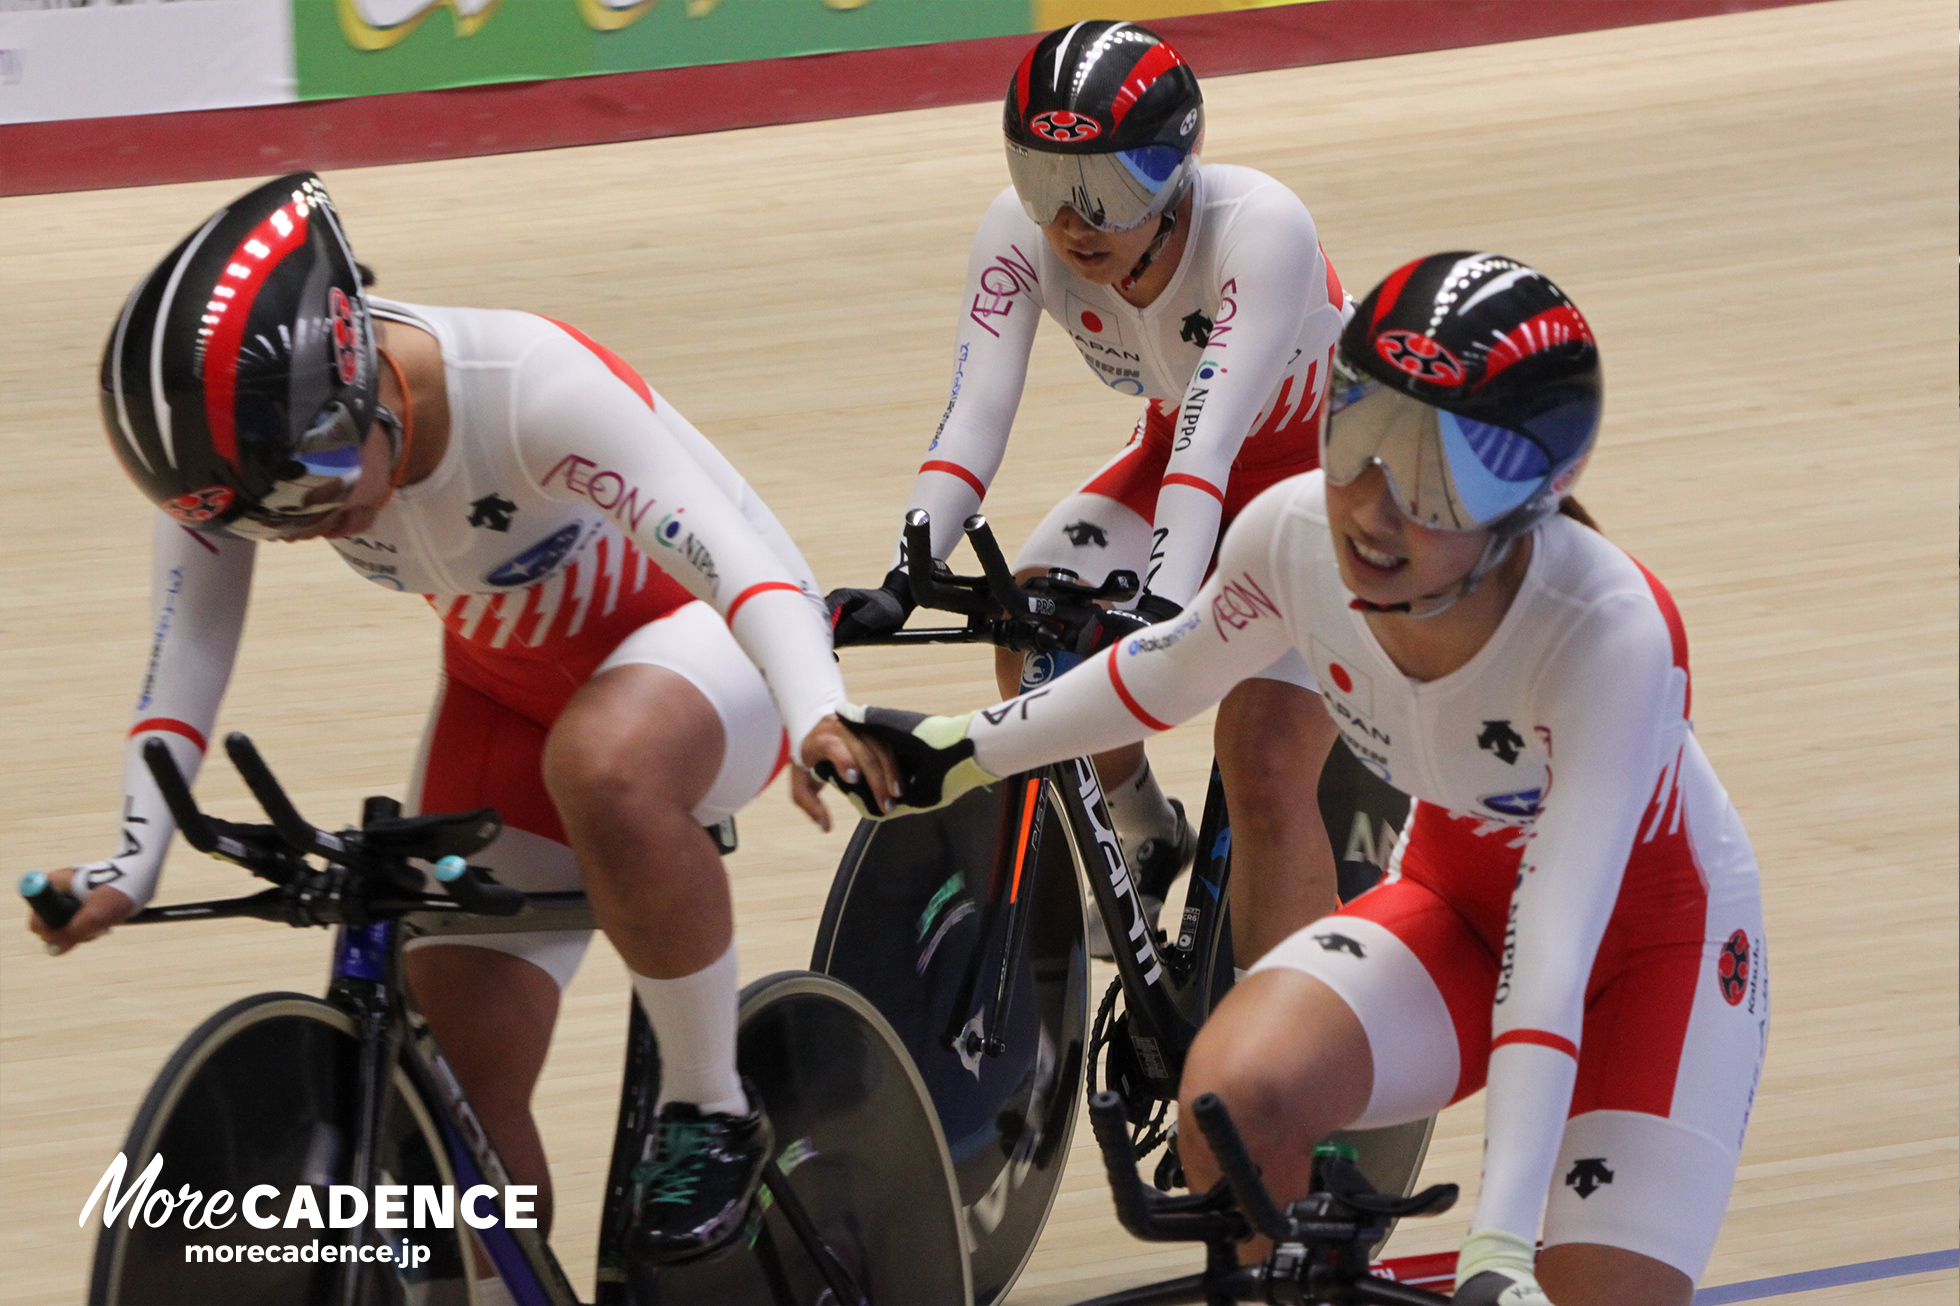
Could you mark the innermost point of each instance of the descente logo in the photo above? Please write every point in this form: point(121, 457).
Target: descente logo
point(394, 1206)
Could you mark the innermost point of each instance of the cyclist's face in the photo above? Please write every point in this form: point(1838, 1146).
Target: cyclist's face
point(1386, 558)
point(1103, 257)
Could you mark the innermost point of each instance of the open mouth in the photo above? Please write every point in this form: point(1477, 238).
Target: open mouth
point(1374, 561)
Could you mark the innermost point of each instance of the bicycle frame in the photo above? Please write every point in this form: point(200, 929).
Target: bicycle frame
point(366, 983)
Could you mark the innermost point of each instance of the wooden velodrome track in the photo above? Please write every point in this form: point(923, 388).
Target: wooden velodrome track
point(1757, 213)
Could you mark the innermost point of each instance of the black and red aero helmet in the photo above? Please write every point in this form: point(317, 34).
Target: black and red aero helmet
point(1474, 382)
point(1105, 118)
point(239, 381)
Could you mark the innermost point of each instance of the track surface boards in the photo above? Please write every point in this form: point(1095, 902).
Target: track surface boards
point(1757, 213)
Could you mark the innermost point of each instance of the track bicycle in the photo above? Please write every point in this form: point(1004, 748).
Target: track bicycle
point(964, 926)
point(352, 1092)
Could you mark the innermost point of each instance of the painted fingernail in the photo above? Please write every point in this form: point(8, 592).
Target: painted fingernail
point(851, 776)
point(888, 804)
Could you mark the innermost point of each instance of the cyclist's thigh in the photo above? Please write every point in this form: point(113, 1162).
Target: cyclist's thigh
point(1671, 1054)
point(476, 752)
point(1420, 983)
point(695, 644)
point(1105, 525)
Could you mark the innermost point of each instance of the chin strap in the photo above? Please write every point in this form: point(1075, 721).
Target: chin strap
point(1496, 549)
point(401, 430)
point(1165, 226)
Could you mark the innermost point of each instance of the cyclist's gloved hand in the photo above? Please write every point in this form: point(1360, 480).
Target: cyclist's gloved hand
point(101, 911)
point(934, 759)
point(858, 613)
point(1495, 1268)
point(1115, 627)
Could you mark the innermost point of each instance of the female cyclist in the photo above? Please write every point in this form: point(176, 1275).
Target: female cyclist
point(1572, 917)
point(627, 631)
point(1203, 290)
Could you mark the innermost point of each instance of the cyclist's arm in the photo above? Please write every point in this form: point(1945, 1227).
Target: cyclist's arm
point(583, 434)
point(1162, 675)
point(199, 585)
point(1000, 307)
point(1274, 277)
point(1613, 702)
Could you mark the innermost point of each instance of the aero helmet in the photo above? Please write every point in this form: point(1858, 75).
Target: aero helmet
point(1105, 118)
point(1474, 383)
point(239, 383)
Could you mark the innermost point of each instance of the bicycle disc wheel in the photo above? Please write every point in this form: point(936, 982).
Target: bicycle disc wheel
point(857, 1142)
point(907, 924)
point(265, 1092)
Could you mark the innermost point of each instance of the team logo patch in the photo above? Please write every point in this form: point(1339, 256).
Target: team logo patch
point(1065, 126)
point(199, 505)
point(1525, 802)
point(1419, 356)
point(346, 355)
point(536, 560)
point(1732, 968)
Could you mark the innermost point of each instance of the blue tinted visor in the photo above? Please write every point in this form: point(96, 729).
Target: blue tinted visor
point(1446, 471)
point(1111, 192)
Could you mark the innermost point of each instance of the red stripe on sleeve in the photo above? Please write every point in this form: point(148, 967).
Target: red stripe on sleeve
point(1123, 692)
point(1198, 482)
point(954, 469)
point(171, 726)
point(1335, 295)
point(758, 588)
point(614, 363)
point(1677, 634)
point(1544, 1038)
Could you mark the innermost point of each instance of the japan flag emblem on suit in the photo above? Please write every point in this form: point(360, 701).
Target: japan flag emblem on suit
point(1088, 322)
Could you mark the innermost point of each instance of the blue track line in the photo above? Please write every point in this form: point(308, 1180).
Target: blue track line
point(1809, 1280)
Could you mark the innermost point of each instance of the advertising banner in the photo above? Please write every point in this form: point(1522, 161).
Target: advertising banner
point(375, 47)
point(94, 59)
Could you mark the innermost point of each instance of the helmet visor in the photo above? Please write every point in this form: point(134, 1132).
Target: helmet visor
point(1111, 192)
point(322, 475)
point(1445, 470)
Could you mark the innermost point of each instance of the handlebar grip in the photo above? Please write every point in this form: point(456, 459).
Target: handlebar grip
point(476, 896)
point(1112, 1128)
point(177, 796)
point(295, 829)
point(49, 903)
point(1248, 1189)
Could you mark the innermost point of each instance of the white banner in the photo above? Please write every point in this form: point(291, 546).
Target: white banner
point(106, 58)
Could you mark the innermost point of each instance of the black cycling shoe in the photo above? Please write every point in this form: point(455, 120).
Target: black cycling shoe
point(696, 1189)
point(1154, 867)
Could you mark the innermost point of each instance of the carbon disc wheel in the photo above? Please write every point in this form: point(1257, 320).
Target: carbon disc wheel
point(264, 1092)
point(908, 925)
point(858, 1144)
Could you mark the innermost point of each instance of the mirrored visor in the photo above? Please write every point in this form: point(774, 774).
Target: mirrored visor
point(1112, 192)
point(1445, 470)
point(322, 475)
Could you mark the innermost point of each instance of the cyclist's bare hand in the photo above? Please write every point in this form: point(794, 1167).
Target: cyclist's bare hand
point(851, 757)
point(105, 909)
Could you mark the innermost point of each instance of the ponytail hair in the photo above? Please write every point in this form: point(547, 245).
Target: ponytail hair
point(1571, 507)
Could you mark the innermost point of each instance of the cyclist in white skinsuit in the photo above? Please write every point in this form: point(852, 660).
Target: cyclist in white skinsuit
point(1573, 916)
point(1204, 291)
point(628, 631)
